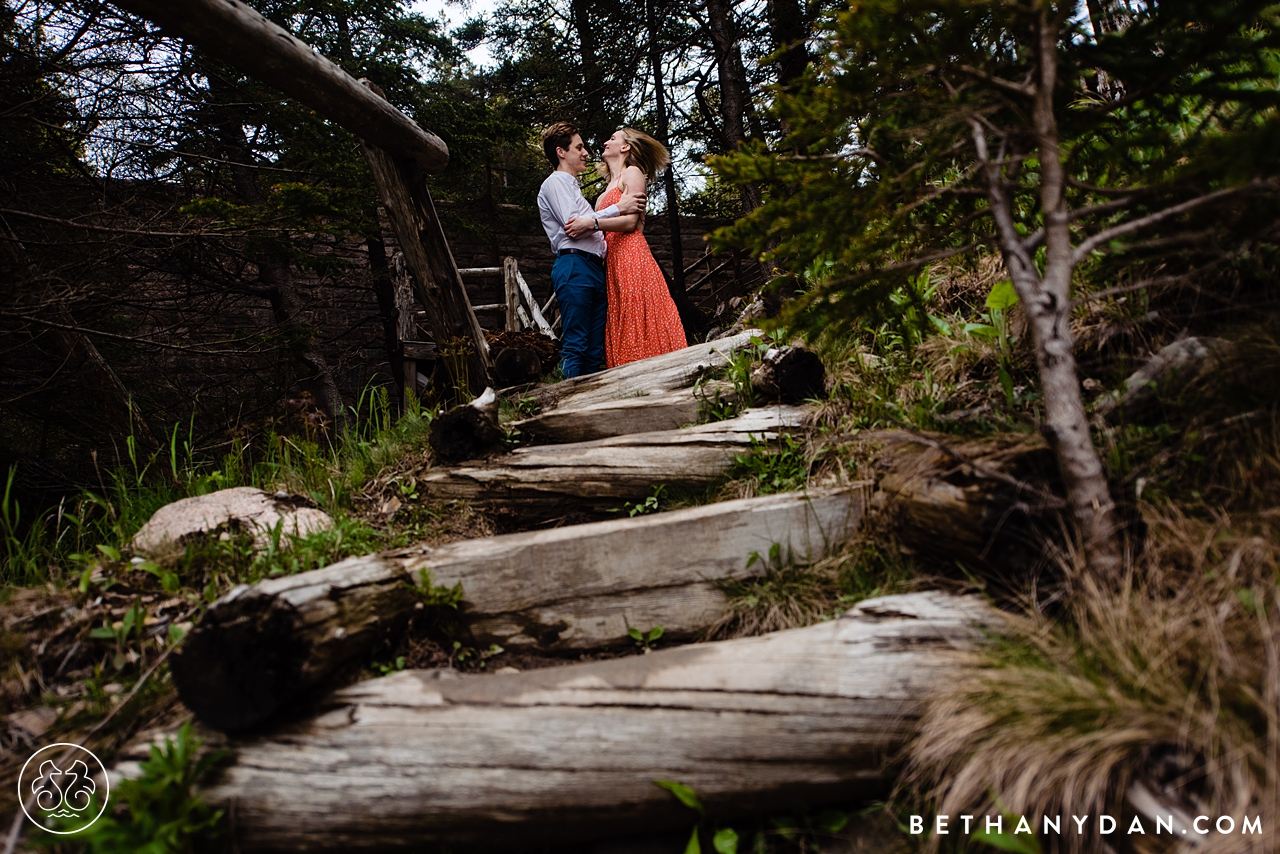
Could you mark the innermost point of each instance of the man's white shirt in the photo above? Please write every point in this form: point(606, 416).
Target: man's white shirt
point(559, 201)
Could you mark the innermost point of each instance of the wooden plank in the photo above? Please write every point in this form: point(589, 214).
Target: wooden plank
point(572, 588)
point(491, 306)
point(423, 350)
point(534, 311)
point(236, 33)
point(436, 281)
point(548, 481)
point(555, 757)
point(480, 271)
point(511, 288)
point(662, 410)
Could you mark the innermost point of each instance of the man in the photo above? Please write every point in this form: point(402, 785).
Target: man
point(578, 272)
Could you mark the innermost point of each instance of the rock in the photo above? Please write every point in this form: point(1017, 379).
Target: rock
point(241, 508)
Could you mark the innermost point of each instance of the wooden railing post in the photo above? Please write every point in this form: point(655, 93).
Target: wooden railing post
point(436, 280)
point(512, 289)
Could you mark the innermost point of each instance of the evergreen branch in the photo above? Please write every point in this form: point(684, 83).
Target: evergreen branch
point(1088, 245)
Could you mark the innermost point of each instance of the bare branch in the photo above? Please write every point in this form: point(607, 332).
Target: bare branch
point(1024, 89)
point(1086, 246)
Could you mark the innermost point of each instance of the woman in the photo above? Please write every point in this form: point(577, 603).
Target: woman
point(642, 320)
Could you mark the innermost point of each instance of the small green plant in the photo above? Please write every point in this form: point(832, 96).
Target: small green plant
point(723, 841)
point(462, 653)
point(652, 504)
point(781, 466)
point(390, 667)
point(121, 632)
point(646, 640)
point(438, 595)
point(158, 812)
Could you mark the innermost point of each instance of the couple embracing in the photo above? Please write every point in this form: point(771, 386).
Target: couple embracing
point(614, 303)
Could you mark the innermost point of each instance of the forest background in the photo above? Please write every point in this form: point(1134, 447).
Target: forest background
point(984, 216)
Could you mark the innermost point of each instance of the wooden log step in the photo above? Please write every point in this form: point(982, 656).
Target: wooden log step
point(647, 413)
point(670, 371)
point(548, 481)
point(558, 756)
point(583, 586)
point(568, 588)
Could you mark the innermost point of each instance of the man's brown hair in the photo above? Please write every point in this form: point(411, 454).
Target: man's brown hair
point(559, 135)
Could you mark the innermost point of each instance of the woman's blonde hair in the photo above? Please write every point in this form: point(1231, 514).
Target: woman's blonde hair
point(646, 154)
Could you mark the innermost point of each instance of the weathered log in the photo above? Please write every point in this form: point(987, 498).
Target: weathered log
point(237, 34)
point(257, 647)
point(571, 588)
point(790, 374)
point(670, 371)
point(558, 756)
point(467, 431)
point(986, 505)
point(436, 281)
point(548, 481)
point(661, 410)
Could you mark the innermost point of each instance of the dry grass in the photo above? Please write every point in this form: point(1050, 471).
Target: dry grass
point(1173, 681)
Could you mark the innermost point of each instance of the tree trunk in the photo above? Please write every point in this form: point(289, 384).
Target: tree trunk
point(676, 285)
point(1047, 299)
point(790, 34)
point(735, 95)
point(435, 275)
point(549, 481)
point(274, 271)
point(593, 124)
point(237, 34)
point(555, 757)
point(565, 589)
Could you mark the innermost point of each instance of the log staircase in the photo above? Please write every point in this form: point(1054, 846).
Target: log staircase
point(559, 755)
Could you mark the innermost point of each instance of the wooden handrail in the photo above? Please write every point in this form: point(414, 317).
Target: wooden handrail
point(236, 33)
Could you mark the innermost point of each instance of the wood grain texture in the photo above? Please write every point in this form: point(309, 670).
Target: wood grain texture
point(436, 281)
point(558, 756)
point(659, 410)
point(572, 588)
point(547, 481)
point(236, 33)
point(584, 586)
point(670, 371)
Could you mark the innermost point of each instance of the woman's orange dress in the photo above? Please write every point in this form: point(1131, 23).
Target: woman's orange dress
point(641, 319)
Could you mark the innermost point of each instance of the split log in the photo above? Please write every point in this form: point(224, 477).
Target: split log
point(467, 431)
point(661, 410)
point(668, 372)
point(237, 34)
point(564, 589)
point(790, 374)
point(558, 756)
point(548, 481)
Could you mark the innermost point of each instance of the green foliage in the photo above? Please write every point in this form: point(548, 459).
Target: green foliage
point(438, 595)
point(159, 812)
point(95, 530)
point(878, 175)
point(645, 640)
point(652, 504)
point(771, 467)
